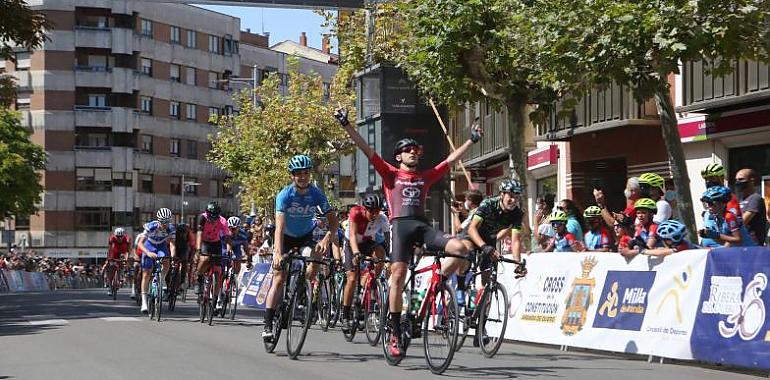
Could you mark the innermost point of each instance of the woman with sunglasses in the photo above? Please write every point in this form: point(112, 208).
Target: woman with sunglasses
point(729, 230)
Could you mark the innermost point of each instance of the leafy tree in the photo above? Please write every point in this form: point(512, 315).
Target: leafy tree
point(256, 144)
point(642, 42)
point(481, 50)
point(20, 26)
point(20, 159)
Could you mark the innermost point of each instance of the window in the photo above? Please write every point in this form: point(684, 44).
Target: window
point(227, 188)
point(22, 222)
point(192, 149)
point(192, 38)
point(124, 139)
point(146, 143)
point(191, 189)
point(214, 44)
point(214, 189)
point(192, 112)
point(176, 185)
point(22, 103)
point(173, 110)
point(146, 104)
point(92, 218)
point(92, 137)
point(189, 76)
point(147, 66)
point(173, 73)
point(122, 218)
point(92, 21)
point(145, 185)
point(230, 45)
point(174, 148)
point(146, 28)
point(213, 115)
point(124, 179)
point(23, 60)
point(176, 35)
point(98, 62)
point(97, 100)
point(213, 79)
point(94, 179)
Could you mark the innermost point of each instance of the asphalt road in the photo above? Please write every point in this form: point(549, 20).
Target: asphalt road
point(84, 335)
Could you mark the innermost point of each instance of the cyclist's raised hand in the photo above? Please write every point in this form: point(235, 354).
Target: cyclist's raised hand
point(342, 116)
point(320, 247)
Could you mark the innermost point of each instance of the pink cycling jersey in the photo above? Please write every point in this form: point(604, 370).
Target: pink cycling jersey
point(213, 231)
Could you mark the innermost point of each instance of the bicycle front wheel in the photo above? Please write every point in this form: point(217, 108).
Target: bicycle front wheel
point(234, 297)
point(465, 317)
point(212, 299)
point(158, 303)
point(299, 318)
point(202, 308)
point(373, 321)
point(493, 320)
point(439, 329)
point(324, 303)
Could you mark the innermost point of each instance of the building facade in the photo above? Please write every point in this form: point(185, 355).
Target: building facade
point(121, 98)
point(725, 120)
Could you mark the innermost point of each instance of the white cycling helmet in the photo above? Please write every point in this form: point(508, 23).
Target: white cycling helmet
point(120, 232)
point(164, 215)
point(233, 221)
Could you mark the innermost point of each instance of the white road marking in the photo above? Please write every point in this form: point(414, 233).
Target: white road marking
point(120, 319)
point(48, 322)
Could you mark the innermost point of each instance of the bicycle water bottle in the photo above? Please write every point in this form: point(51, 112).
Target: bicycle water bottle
point(472, 299)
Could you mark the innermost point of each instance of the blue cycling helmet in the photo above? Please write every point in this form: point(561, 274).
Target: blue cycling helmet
point(716, 194)
point(673, 230)
point(300, 162)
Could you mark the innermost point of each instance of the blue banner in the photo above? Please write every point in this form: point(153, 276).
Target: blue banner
point(623, 302)
point(255, 291)
point(732, 324)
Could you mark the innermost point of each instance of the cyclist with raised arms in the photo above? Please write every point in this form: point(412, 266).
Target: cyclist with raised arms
point(295, 207)
point(157, 243)
point(364, 235)
point(212, 232)
point(405, 190)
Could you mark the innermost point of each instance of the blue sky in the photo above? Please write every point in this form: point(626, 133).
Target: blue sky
point(283, 24)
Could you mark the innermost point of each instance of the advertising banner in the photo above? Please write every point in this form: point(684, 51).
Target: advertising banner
point(732, 324)
point(603, 301)
point(255, 289)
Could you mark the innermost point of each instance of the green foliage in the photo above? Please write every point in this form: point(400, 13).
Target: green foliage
point(19, 27)
point(255, 145)
point(20, 161)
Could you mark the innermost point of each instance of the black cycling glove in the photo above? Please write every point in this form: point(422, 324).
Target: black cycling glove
point(342, 117)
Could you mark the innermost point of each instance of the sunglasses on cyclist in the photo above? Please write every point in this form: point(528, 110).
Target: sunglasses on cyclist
point(416, 150)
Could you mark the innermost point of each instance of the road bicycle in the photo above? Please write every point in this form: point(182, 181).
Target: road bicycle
point(368, 301)
point(207, 299)
point(485, 308)
point(154, 298)
point(325, 297)
point(294, 312)
point(435, 317)
point(230, 289)
point(115, 276)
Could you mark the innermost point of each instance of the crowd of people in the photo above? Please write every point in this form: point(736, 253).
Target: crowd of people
point(61, 272)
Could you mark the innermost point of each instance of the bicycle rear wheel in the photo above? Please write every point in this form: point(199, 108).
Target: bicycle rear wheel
point(336, 303)
point(439, 329)
point(280, 315)
point(373, 321)
point(172, 289)
point(466, 314)
point(355, 313)
point(202, 308)
point(158, 303)
point(493, 320)
point(299, 318)
point(225, 294)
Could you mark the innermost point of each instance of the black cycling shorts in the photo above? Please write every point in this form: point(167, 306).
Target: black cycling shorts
point(366, 248)
point(290, 242)
point(405, 233)
point(211, 248)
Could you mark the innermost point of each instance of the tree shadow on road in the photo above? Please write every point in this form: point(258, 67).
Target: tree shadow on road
point(327, 356)
point(24, 328)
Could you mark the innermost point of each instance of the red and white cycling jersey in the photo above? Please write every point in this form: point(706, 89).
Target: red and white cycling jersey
point(366, 230)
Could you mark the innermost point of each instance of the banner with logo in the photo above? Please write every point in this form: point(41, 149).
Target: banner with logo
point(255, 284)
point(603, 301)
point(732, 324)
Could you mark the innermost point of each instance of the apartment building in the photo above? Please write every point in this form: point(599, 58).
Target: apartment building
point(121, 98)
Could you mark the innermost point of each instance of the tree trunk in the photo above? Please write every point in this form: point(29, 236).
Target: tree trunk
point(671, 138)
point(517, 151)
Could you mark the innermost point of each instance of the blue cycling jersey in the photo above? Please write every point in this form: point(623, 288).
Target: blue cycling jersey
point(710, 223)
point(156, 235)
point(239, 240)
point(299, 209)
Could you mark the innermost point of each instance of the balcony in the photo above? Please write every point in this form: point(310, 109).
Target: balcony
point(748, 82)
point(120, 119)
point(94, 158)
point(118, 79)
point(93, 37)
point(600, 109)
